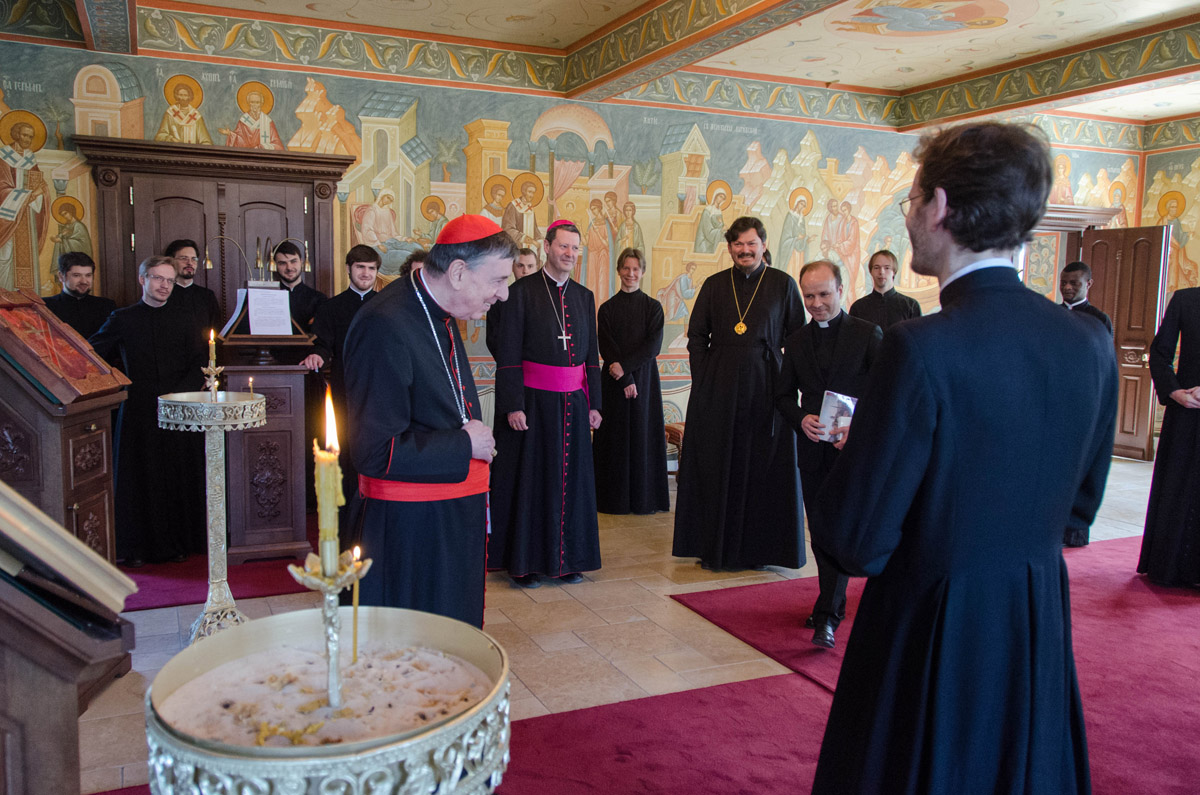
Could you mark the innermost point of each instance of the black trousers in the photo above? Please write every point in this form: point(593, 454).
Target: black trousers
point(831, 602)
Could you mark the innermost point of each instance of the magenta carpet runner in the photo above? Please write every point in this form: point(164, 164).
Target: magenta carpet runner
point(1137, 650)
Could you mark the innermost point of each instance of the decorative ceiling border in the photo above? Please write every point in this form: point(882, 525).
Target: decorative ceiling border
point(168, 31)
point(108, 25)
point(672, 36)
point(56, 22)
point(1172, 134)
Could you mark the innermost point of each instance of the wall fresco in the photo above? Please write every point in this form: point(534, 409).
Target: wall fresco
point(1172, 199)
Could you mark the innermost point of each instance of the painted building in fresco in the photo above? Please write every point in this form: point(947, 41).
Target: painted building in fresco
point(653, 175)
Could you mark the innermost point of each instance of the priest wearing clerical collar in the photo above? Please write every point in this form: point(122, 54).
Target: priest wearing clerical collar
point(1074, 283)
point(884, 306)
point(75, 305)
point(416, 435)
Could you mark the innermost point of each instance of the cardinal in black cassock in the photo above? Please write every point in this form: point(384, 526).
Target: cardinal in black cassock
point(1171, 544)
point(630, 448)
point(422, 501)
point(543, 488)
point(155, 345)
point(738, 504)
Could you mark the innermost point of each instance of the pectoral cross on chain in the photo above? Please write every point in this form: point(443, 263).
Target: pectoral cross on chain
point(564, 337)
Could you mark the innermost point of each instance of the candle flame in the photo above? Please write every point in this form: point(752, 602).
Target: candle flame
point(357, 553)
point(212, 336)
point(331, 437)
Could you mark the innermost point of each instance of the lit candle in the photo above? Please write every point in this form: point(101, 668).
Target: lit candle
point(354, 601)
point(212, 348)
point(307, 267)
point(250, 386)
point(329, 491)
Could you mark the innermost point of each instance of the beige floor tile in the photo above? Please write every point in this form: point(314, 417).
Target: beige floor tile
point(254, 608)
point(99, 779)
point(559, 616)
point(557, 641)
point(686, 660)
point(618, 593)
point(124, 696)
point(652, 675)
point(286, 603)
point(687, 570)
point(736, 672)
point(576, 678)
point(626, 641)
point(529, 707)
point(493, 615)
point(549, 592)
point(155, 644)
point(160, 621)
point(619, 615)
point(722, 648)
point(146, 663)
point(517, 688)
point(135, 774)
point(638, 571)
point(119, 740)
point(505, 594)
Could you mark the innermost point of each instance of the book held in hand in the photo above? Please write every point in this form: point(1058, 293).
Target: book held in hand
point(836, 411)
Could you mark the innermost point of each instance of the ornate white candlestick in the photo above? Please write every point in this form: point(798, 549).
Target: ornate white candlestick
point(214, 413)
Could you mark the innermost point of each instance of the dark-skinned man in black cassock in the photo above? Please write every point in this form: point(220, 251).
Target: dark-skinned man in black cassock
point(75, 305)
point(547, 398)
point(986, 428)
point(155, 346)
point(630, 448)
point(418, 443)
point(834, 351)
point(738, 504)
point(1074, 283)
point(884, 305)
point(330, 326)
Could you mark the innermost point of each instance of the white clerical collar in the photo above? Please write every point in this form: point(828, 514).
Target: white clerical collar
point(362, 293)
point(1077, 303)
point(825, 323)
point(990, 262)
point(556, 281)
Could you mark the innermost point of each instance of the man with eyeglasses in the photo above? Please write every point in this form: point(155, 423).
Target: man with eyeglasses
point(195, 298)
point(985, 429)
point(153, 344)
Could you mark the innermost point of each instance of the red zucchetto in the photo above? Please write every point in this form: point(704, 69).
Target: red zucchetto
point(467, 229)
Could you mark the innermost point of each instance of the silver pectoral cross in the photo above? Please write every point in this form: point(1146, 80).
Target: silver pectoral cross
point(564, 337)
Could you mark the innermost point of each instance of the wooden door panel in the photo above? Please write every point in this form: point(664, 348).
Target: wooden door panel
point(171, 208)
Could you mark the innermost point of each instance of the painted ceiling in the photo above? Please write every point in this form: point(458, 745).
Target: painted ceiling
point(896, 63)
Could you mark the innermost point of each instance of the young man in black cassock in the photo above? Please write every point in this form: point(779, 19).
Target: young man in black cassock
point(330, 326)
point(547, 398)
point(884, 305)
point(738, 504)
point(195, 298)
point(303, 300)
point(75, 305)
point(417, 442)
point(155, 346)
point(1171, 544)
point(985, 429)
point(1074, 283)
point(834, 351)
point(629, 449)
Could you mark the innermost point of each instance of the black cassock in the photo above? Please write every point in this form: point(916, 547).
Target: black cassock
point(543, 487)
point(330, 325)
point(985, 430)
point(738, 503)
point(86, 313)
point(403, 425)
point(159, 507)
point(201, 302)
point(1171, 544)
point(629, 448)
point(885, 309)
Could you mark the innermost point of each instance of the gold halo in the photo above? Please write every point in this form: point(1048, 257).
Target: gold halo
point(1166, 197)
point(62, 201)
point(15, 117)
point(1113, 188)
point(185, 80)
point(430, 202)
point(1065, 159)
point(521, 180)
point(796, 194)
point(492, 182)
point(245, 89)
point(712, 190)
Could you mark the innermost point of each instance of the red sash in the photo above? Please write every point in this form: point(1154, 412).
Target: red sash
point(550, 378)
point(400, 491)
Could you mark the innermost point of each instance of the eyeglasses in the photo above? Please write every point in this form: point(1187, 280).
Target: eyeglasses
point(905, 204)
point(154, 277)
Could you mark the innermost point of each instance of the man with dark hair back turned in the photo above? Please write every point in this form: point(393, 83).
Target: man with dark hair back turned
point(547, 402)
point(1074, 283)
point(832, 352)
point(739, 489)
point(418, 444)
point(330, 325)
point(985, 429)
point(884, 306)
point(75, 305)
point(197, 299)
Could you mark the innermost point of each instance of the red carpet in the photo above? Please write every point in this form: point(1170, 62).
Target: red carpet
point(1137, 650)
point(186, 583)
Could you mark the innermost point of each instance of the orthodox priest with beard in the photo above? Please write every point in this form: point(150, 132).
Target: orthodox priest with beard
point(738, 504)
point(415, 434)
point(547, 397)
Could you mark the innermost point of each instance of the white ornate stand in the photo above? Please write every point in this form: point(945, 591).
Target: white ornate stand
point(214, 413)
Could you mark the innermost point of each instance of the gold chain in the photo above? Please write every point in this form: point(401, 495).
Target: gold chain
point(740, 328)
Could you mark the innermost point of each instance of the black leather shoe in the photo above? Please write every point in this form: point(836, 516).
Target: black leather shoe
point(134, 563)
point(810, 622)
point(528, 581)
point(574, 578)
point(823, 636)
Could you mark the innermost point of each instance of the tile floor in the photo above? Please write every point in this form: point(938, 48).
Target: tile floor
point(614, 637)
